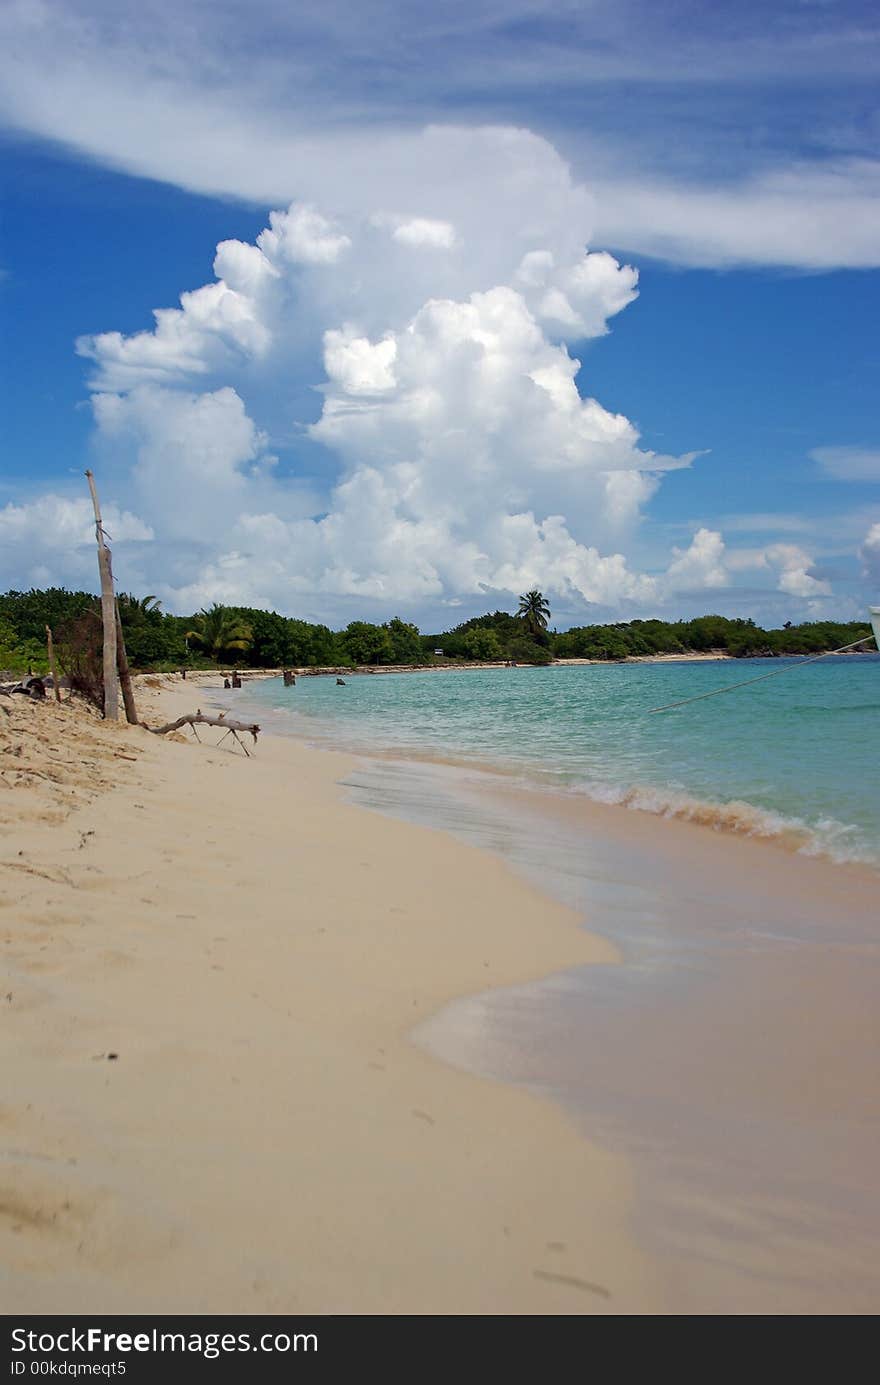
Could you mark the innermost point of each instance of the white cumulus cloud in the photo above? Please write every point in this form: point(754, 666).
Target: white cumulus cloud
point(795, 578)
point(453, 453)
point(701, 565)
point(423, 231)
point(38, 534)
point(444, 454)
point(303, 236)
point(791, 564)
point(357, 365)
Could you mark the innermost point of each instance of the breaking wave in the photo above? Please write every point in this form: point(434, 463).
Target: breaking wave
point(841, 842)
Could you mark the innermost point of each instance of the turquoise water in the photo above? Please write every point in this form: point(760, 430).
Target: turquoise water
point(794, 756)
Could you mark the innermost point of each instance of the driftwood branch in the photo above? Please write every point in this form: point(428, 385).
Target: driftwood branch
point(199, 719)
point(34, 688)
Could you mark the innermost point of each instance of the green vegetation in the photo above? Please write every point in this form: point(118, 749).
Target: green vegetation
point(228, 635)
point(220, 633)
point(739, 638)
point(534, 612)
point(495, 636)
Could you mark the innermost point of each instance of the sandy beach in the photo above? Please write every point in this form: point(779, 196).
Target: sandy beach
point(211, 966)
point(268, 1050)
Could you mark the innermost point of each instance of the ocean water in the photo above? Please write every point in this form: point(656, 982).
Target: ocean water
point(793, 758)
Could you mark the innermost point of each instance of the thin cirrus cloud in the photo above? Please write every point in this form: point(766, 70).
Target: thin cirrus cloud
point(848, 463)
point(345, 92)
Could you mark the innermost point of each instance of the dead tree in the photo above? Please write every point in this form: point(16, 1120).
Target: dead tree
point(50, 650)
point(124, 672)
point(108, 612)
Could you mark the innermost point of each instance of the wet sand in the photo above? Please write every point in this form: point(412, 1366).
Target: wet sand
point(733, 1054)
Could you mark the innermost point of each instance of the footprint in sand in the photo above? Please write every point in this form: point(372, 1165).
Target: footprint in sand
point(29, 1203)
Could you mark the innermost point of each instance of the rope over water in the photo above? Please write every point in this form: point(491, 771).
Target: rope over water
point(789, 668)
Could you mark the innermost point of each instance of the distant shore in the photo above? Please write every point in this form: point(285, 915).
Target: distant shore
point(199, 675)
point(458, 666)
point(465, 666)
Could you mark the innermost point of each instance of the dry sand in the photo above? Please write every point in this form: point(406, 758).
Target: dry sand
point(209, 1102)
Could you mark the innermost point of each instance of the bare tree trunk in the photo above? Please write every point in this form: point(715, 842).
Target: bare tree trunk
point(52, 669)
point(131, 715)
point(108, 611)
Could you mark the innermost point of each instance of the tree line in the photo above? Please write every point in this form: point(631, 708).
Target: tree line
point(245, 636)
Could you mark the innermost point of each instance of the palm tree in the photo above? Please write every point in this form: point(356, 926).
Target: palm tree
point(535, 612)
point(136, 608)
point(220, 631)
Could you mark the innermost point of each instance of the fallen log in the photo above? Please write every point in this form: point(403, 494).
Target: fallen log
point(35, 688)
point(230, 728)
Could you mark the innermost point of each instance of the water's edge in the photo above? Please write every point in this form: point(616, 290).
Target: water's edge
point(793, 787)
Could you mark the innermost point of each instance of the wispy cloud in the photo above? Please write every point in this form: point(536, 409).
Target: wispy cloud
point(768, 522)
point(848, 463)
point(649, 103)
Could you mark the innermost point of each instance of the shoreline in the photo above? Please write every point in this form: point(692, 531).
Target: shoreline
point(197, 676)
point(734, 818)
point(254, 952)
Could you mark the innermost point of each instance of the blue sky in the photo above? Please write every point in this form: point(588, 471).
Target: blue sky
point(372, 411)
